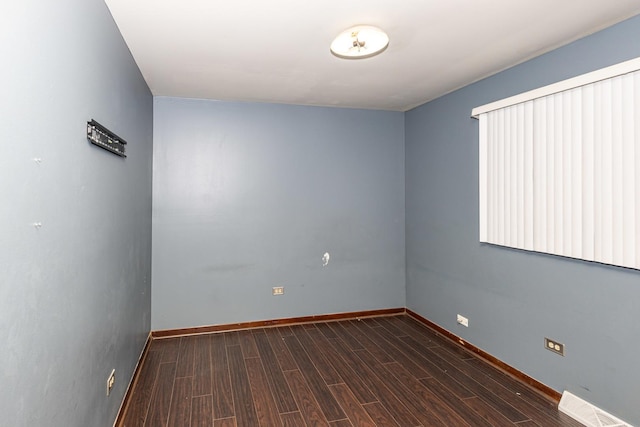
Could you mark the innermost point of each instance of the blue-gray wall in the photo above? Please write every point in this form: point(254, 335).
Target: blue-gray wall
point(74, 294)
point(250, 196)
point(513, 299)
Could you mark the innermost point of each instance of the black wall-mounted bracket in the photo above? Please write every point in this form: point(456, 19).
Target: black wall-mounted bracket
point(104, 138)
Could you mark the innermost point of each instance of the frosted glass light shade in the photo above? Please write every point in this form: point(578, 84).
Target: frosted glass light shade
point(361, 41)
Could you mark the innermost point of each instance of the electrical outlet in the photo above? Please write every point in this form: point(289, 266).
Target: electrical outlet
point(462, 320)
point(111, 381)
point(554, 346)
point(278, 290)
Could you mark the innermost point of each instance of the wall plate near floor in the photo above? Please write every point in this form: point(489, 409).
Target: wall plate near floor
point(553, 345)
point(587, 413)
point(462, 320)
point(278, 290)
point(111, 381)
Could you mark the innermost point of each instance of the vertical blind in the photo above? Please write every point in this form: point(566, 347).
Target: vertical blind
point(560, 172)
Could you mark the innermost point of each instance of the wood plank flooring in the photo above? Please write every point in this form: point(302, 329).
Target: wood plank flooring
point(383, 371)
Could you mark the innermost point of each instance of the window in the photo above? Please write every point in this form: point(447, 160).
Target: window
point(560, 168)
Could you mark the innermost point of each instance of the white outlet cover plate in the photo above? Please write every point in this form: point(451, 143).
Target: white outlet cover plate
point(462, 320)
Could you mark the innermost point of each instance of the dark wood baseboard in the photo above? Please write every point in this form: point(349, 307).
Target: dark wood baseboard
point(132, 383)
point(536, 385)
point(166, 333)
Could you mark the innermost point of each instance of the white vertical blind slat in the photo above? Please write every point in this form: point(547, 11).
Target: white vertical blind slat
point(550, 169)
point(606, 165)
point(520, 170)
point(597, 174)
point(484, 153)
point(588, 177)
point(513, 173)
point(628, 176)
point(567, 165)
point(540, 173)
point(527, 166)
point(501, 207)
point(558, 174)
point(496, 176)
point(617, 217)
point(508, 177)
point(636, 164)
point(576, 156)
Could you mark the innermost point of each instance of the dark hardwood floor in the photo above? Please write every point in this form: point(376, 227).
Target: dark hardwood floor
point(384, 371)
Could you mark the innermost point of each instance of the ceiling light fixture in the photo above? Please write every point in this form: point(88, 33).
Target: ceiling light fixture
point(361, 41)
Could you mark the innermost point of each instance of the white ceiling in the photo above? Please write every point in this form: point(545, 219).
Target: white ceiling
point(278, 50)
